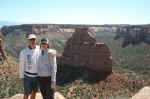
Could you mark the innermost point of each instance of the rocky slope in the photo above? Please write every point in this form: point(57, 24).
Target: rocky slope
point(115, 86)
point(8, 71)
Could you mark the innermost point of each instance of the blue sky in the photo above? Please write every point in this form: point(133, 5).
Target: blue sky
point(76, 11)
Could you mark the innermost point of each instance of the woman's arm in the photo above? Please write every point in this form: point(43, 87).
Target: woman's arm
point(53, 70)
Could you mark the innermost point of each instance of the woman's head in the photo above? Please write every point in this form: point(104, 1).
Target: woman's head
point(44, 44)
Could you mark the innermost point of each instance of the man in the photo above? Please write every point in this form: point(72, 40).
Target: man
point(28, 60)
point(28, 67)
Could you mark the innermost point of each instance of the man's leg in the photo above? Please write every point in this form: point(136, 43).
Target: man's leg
point(34, 87)
point(27, 86)
point(33, 95)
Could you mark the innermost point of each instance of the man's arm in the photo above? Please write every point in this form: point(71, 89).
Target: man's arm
point(21, 65)
point(53, 53)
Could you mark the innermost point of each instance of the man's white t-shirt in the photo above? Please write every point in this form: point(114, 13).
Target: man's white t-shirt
point(28, 60)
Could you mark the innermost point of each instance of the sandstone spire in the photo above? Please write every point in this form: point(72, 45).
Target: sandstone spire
point(82, 50)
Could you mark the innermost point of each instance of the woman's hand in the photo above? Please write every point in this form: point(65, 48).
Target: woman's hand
point(52, 86)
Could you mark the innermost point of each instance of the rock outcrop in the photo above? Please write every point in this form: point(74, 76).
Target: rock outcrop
point(120, 33)
point(31, 28)
point(44, 28)
point(134, 35)
point(7, 66)
point(55, 28)
point(82, 50)
point(2, 52)
point(8, 71)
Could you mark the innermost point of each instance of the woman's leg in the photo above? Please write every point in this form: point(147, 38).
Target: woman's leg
point(45, 88)
point(42, 86)
point(33, 95)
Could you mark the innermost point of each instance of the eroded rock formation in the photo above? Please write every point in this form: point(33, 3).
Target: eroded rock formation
point(133, 35)
point(82, 50)
point(120, 33)
point(2, 52)
point(136, 37)
point(31, 28)
point(7, 66)
point(44, 28)
point(55, 28)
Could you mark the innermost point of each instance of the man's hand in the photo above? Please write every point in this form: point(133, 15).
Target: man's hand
point(22, 81)
point(52, 54)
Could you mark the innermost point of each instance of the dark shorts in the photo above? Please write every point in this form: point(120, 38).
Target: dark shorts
point(30, 84)
point(45, 87)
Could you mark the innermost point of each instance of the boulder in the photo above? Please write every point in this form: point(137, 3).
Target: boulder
point(142, 94)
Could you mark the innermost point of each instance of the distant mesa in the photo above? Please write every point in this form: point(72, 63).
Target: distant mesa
point(31, 28)
point(133, 35)
point(53, 28)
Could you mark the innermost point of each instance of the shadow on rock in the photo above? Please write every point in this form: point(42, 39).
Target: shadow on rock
point(67, 74)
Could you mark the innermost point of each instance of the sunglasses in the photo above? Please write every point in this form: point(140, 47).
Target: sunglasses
point(32, 39)
point(43, 43)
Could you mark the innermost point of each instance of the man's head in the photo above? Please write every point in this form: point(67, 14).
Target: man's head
point(31, 40)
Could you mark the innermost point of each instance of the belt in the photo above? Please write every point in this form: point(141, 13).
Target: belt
point(30, 73)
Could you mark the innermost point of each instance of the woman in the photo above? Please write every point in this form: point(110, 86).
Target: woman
point(47, 69)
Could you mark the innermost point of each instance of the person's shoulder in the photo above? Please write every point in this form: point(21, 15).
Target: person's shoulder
point(51, 50)
point(24, 50)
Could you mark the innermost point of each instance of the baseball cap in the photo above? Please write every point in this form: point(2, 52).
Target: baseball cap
point(44, 41)
point(31, 36)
